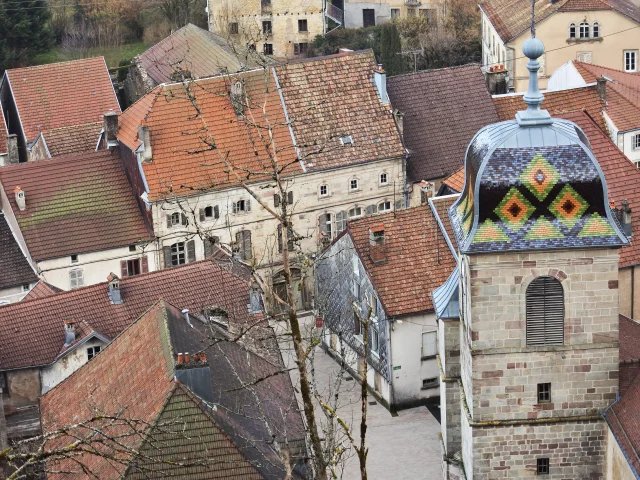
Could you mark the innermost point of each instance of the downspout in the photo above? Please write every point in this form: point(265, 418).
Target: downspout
point(633, 277)
point(392, 402)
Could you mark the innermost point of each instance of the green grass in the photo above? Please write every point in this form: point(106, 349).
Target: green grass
point(112, 55)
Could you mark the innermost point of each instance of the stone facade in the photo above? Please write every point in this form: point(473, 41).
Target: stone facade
point(504, 427)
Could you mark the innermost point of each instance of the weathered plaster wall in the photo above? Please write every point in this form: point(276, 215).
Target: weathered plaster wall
point(24, 387)
point(617, 466)
point(65, 366)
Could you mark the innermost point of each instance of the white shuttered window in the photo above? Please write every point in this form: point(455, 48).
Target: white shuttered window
point(545, 312)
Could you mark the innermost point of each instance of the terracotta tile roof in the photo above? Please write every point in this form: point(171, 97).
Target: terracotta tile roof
point(443, 109)
point(73, 140)
point(233, 436)
point(3, 132)
point(334, 96)
point(557, 103)
point(75, 204)
point(418, 258)
point(14, 267)
point(621, 175)
point(455, 181)
point(41, 290)
point(182, 158)
point(511, 18)
point(626, 84)
point(192, 48)
point(38, 324)
point(629, 339)
point(62, 94)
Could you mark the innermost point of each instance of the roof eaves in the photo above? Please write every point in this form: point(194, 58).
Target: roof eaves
point(6, 75)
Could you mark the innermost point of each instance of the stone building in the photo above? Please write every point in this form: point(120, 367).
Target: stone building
point(537, 328)
point(363, 13)
point(380, 271)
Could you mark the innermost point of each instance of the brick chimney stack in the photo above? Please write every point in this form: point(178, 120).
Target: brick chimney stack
point(110, 129)
point(377, 244)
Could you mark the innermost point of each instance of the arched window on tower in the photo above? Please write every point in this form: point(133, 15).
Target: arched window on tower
point(545, 312)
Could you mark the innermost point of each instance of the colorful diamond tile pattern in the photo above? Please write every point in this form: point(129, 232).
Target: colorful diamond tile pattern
point(514, 209)
point(539, 177)
point(568, 206)
point(543, 229)
point(488, 231)
point(596, 226)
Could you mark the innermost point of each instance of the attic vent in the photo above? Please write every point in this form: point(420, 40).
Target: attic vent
point(346, 140)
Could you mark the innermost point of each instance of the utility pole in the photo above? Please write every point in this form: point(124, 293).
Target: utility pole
point(415, 54)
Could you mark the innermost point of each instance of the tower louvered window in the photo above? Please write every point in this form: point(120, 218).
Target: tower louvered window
point(545, 312)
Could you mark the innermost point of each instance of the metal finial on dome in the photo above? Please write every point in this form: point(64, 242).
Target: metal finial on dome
point(533, 48)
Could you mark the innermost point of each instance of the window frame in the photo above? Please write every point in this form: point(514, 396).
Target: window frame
point(233, 28)
point(267, 48)
point(546, 328)
point(326, 188)
point(632, 54)
point(326, 219)
point(542, 466)
point(355, 214)
point(544, 392)
point(386, 179)
point(76, 275)
point(382, 206)
point(584, 30)
point(572, 30)
point(395, 13)
point(26, 287)
point(302, 22)
point(342, 217)
point(300, 48)
point(635, 141)
point(175, 252)
point(434, 382)
point(353, 188)
point(267, 27)
point(595, 30)
point(429, 354)
point(93, 351)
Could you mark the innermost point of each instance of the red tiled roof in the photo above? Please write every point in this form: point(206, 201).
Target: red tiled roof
point(3, 133)
point(557, 103)
point(73, 140)
point(14, 267)
point(334, 96)
point(455, 181)
point(441, 206)
point(183, 157)
point(626, 84)
point(511, 18)
point(134, 377)
point(41, 290)
point(75, 204)
point(629, 339)
point(418, 258)
point(442, 111)
point(62, 94)
point(621, 175)
point(33, 330)
point(192, 48)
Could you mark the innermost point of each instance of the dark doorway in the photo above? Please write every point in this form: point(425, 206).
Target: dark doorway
point(368, 17)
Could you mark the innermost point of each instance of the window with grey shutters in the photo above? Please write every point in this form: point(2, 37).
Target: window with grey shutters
point(177, 218)
point(209, 212)
point(242, 206)
point(545, 312)
point(242, 247)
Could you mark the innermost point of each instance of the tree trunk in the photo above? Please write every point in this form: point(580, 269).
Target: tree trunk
point(362, 450)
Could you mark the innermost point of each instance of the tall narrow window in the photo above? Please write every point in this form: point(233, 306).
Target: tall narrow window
point(572, 30)
point(545, 312)
point(242, 246)
point(635, 142)
point(266, 27)
point(324, 227)
point(302, 25)
point(584, 30)
point(630, 60)
point(542, 466)
point(429, 344)
point(596, 30)
point(76, 278)
point(357, 326)
point(544, 392)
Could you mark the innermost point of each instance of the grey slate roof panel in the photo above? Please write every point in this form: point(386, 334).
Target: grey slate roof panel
point(14, 267)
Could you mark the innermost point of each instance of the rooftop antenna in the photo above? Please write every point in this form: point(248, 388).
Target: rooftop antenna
point(533, 48)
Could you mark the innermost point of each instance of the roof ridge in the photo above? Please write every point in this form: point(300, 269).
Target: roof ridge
point(65, 62)
point(432, 70)
point(71, 126)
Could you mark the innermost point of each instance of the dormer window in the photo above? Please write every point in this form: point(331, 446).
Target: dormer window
point(572, 30)
point(584, 30)
point(346, 140)
point(384, 178)
point(353, 184)
point(596, 30)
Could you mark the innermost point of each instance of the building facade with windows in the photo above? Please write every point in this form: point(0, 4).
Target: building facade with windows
point(376, 276)
point(591, 32)
point(282, 28)
point(368, 14)
point(338, 152)
point(532, 361)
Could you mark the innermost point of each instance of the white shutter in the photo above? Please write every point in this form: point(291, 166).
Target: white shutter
point(429, 344)
point(584, 57)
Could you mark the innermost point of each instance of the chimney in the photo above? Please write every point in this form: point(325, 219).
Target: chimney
point(21, 201)
point(110, 129)
point(187, 357)
point(377, 245)
point(601, 88)
point(380, 79)
point(69, 332)
point(115, 297)
point(144, 136)
point(237, 97)
point(496, 79)
point(180, 359)
point(12, 149)
point(398, 116)
point(624, 216)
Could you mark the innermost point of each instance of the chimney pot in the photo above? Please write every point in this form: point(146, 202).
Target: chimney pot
point(21, 200)
point(180, 358)
point(196, 357)
point(203, 357)
point(115, 296)
point(187, 357)
point(110, 129)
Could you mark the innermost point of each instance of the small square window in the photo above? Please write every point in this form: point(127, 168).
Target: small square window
point(302, 25)
point(300, 48)
point(544, 392)
point(233, 28)
point(175, 218)
point(395, 13)
point(25, 287)
point(133, 267)
point(384, 179)
point(74, 258)
point(92, 352)
point(267, 49)
point(132, 248)
point(353, 184)
point(266, 27)
point(542, 467)
point(346, 140)
point(208, 212)
point(324, 190)
point(428, 383)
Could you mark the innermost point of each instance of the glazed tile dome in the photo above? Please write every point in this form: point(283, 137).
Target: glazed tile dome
point(533, 183)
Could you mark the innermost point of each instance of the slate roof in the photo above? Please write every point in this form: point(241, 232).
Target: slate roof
point(15, 269)
point(443, 109)
point(512, 18)
point(418, 258)
point(182, 155)
point(626, 84)
point(62, 94)
point(533, 187)
point(227, 436)
point(73, 140)
point(333, 96)
point(556, 103)
point(75, 204)
point(32, 331)
point(199, 51)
